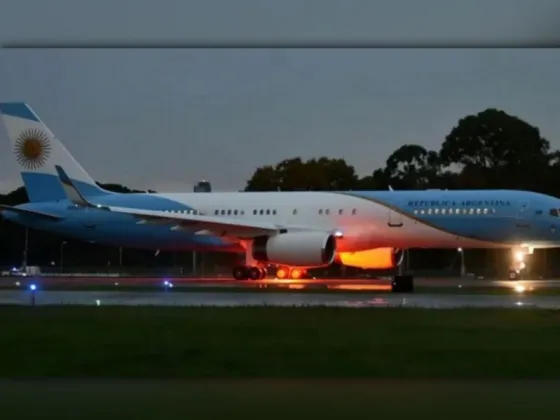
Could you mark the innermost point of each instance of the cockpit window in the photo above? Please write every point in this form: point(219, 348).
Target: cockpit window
point(553, 212)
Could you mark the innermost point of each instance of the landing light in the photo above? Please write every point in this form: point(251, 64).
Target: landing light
point(519, 288)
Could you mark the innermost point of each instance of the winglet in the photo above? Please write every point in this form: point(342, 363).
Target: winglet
point(72, 192)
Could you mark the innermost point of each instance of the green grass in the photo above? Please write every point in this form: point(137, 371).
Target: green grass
point(118, 342)
point(273, 400)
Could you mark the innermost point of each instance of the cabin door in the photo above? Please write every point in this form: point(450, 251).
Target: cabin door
point(522, 218)
point(395, 218)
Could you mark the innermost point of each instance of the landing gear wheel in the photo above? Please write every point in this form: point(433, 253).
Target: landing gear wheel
point(513, 275)
point(255, 273)
point(282, 273)
point(402, 284)
point(240, 272)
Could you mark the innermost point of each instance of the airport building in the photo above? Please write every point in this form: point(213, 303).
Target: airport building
point(203, 186)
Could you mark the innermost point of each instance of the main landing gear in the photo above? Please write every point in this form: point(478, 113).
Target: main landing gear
point(402, 284)
point(244, 272)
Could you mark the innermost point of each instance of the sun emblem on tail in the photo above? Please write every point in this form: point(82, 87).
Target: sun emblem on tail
point(32, 148)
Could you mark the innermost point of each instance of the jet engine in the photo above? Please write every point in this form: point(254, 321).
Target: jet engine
point(296, 249)
point(372, 259)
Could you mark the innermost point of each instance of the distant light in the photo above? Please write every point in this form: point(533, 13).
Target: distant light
point(17, 283)
point(32, 287)
point(459, 249)
point(460, 286)
point(116, 283)
point(170, 285)
point(97, 302)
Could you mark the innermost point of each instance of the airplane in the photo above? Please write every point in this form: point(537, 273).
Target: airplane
point(295, 231)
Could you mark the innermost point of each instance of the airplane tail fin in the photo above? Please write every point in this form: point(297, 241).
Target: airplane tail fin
point(37, 151)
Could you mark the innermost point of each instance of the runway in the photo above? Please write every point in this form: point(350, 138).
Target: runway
point(224, 299)
point(373, 284)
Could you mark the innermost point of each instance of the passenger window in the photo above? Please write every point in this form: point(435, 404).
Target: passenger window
point(353, 211)
point(321, 211)
point(554, 212)
point(268, 212)
point(273, 211)
point(327, 211)
point(229, 212)
point(261, 212)
point(255, 212)
point(295, 211)
point(235, 212)
point(223, 212)
point(340, 211)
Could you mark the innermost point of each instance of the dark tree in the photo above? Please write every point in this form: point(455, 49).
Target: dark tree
point(493, 149)
point(321, 174)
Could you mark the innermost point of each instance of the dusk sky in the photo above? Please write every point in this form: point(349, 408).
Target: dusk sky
point(164, 118)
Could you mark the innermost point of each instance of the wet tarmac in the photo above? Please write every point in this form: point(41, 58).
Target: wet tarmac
point(224, 299)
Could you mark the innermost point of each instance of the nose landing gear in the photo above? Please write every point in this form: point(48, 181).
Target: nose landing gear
point(519, 264)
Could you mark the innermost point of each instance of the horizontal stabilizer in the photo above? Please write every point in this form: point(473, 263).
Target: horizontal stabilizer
point(28, 212)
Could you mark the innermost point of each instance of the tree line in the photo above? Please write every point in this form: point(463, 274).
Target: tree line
point(488, 150)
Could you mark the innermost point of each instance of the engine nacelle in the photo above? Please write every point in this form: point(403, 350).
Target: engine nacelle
point(372, 259)
point(297, 249)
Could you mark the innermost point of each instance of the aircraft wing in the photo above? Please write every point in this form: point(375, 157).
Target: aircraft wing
point(221, 226)
point(199, 224)
point(30, 212)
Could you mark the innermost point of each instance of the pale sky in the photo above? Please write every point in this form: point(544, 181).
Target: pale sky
point(165, 118)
